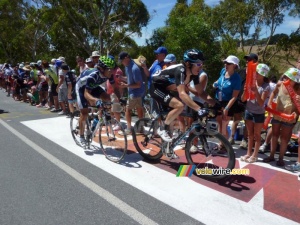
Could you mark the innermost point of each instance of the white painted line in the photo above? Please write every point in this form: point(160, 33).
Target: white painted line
point(113, 200)
point(183, 194)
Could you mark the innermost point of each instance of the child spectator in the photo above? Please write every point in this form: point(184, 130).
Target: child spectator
point(33, 96)
point(255, 112)
point(281, 127)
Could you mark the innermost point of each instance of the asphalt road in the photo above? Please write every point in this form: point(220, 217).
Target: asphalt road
point(41, 183)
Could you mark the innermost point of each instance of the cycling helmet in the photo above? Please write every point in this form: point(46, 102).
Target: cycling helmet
point(293, 74)
point(106, 62)
point(193, 56)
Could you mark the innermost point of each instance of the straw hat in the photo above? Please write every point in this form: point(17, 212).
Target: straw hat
point(140, 60)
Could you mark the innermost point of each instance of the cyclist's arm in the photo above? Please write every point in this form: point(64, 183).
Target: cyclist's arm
point(88, 96)
point(186, 98)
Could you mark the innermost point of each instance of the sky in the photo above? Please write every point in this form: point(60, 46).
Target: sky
point(164, 7)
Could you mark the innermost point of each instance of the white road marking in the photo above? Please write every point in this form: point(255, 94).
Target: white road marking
point(113, 200)
point(187, 196)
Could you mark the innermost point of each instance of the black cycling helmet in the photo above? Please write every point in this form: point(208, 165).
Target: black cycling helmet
point(193, 56)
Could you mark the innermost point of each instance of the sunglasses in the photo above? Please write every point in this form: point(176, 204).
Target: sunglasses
point(197, 64)
point(227, 63)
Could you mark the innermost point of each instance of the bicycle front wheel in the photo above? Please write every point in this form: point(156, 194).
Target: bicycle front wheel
point(74, 125)
point(145, 139)
point(211, 162)
point(113, 143)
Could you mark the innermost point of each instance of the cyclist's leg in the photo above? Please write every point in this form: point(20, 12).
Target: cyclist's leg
point(165, 97)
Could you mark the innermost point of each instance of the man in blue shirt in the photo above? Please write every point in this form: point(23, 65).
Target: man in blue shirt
point(157, 66)
point(135, 87)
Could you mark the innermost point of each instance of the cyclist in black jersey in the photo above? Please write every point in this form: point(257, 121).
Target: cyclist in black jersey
point(89, 91)
point(169, 87)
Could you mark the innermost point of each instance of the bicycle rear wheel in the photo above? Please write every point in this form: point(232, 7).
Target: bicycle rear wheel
point(208, 158)
point(74, 125)
point(145, 140)
point(113, 143)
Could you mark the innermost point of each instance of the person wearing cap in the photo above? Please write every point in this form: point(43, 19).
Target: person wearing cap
point(90, 63)
point(255, 112)
point(135, 88)
point(89, 91)
point(227, 89)
point(169, 60)
point(95, 57)
point(157, 65)
point(169, 89)
point(282, 128)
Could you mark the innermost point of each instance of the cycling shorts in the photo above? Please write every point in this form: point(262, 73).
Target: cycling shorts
point(161, 95)
point(81, 101)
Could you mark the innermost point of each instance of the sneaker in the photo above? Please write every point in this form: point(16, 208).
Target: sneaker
point(55, 110)
point(164, 135)
point(82, 141)
point(127, 132)
point(264, 148)
point(193, 149)
point(231, 141)
point(39, 106)
point(62, 113)
point(117, 127)
point(294, 167)
point(244, 144)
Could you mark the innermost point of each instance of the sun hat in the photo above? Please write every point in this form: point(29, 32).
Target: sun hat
point(293, 74)
point(95, 54)
point(140, 60)
point(170, 58)
point(262, 69)
point(61, 58)
point(232, 59)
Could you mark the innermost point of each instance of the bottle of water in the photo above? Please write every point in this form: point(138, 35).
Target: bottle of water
point(94, 124)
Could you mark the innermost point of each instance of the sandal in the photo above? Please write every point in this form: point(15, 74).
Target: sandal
point(251, 159)
point(268, 159)
point(245, 157)
point(280, 162)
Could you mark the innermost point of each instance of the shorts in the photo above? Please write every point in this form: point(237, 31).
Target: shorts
point(235, 108)
point(116, 106)
point(160, 94)
point(274, 121)
point(53, 90)
point(81, 100)
point(256, 118)
point(133, 103)
point(63, 95)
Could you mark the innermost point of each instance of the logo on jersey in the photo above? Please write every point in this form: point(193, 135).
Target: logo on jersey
point(166, 98)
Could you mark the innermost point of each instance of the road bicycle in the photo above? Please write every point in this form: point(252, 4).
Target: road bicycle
point(203, 134)
point(112, 143)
